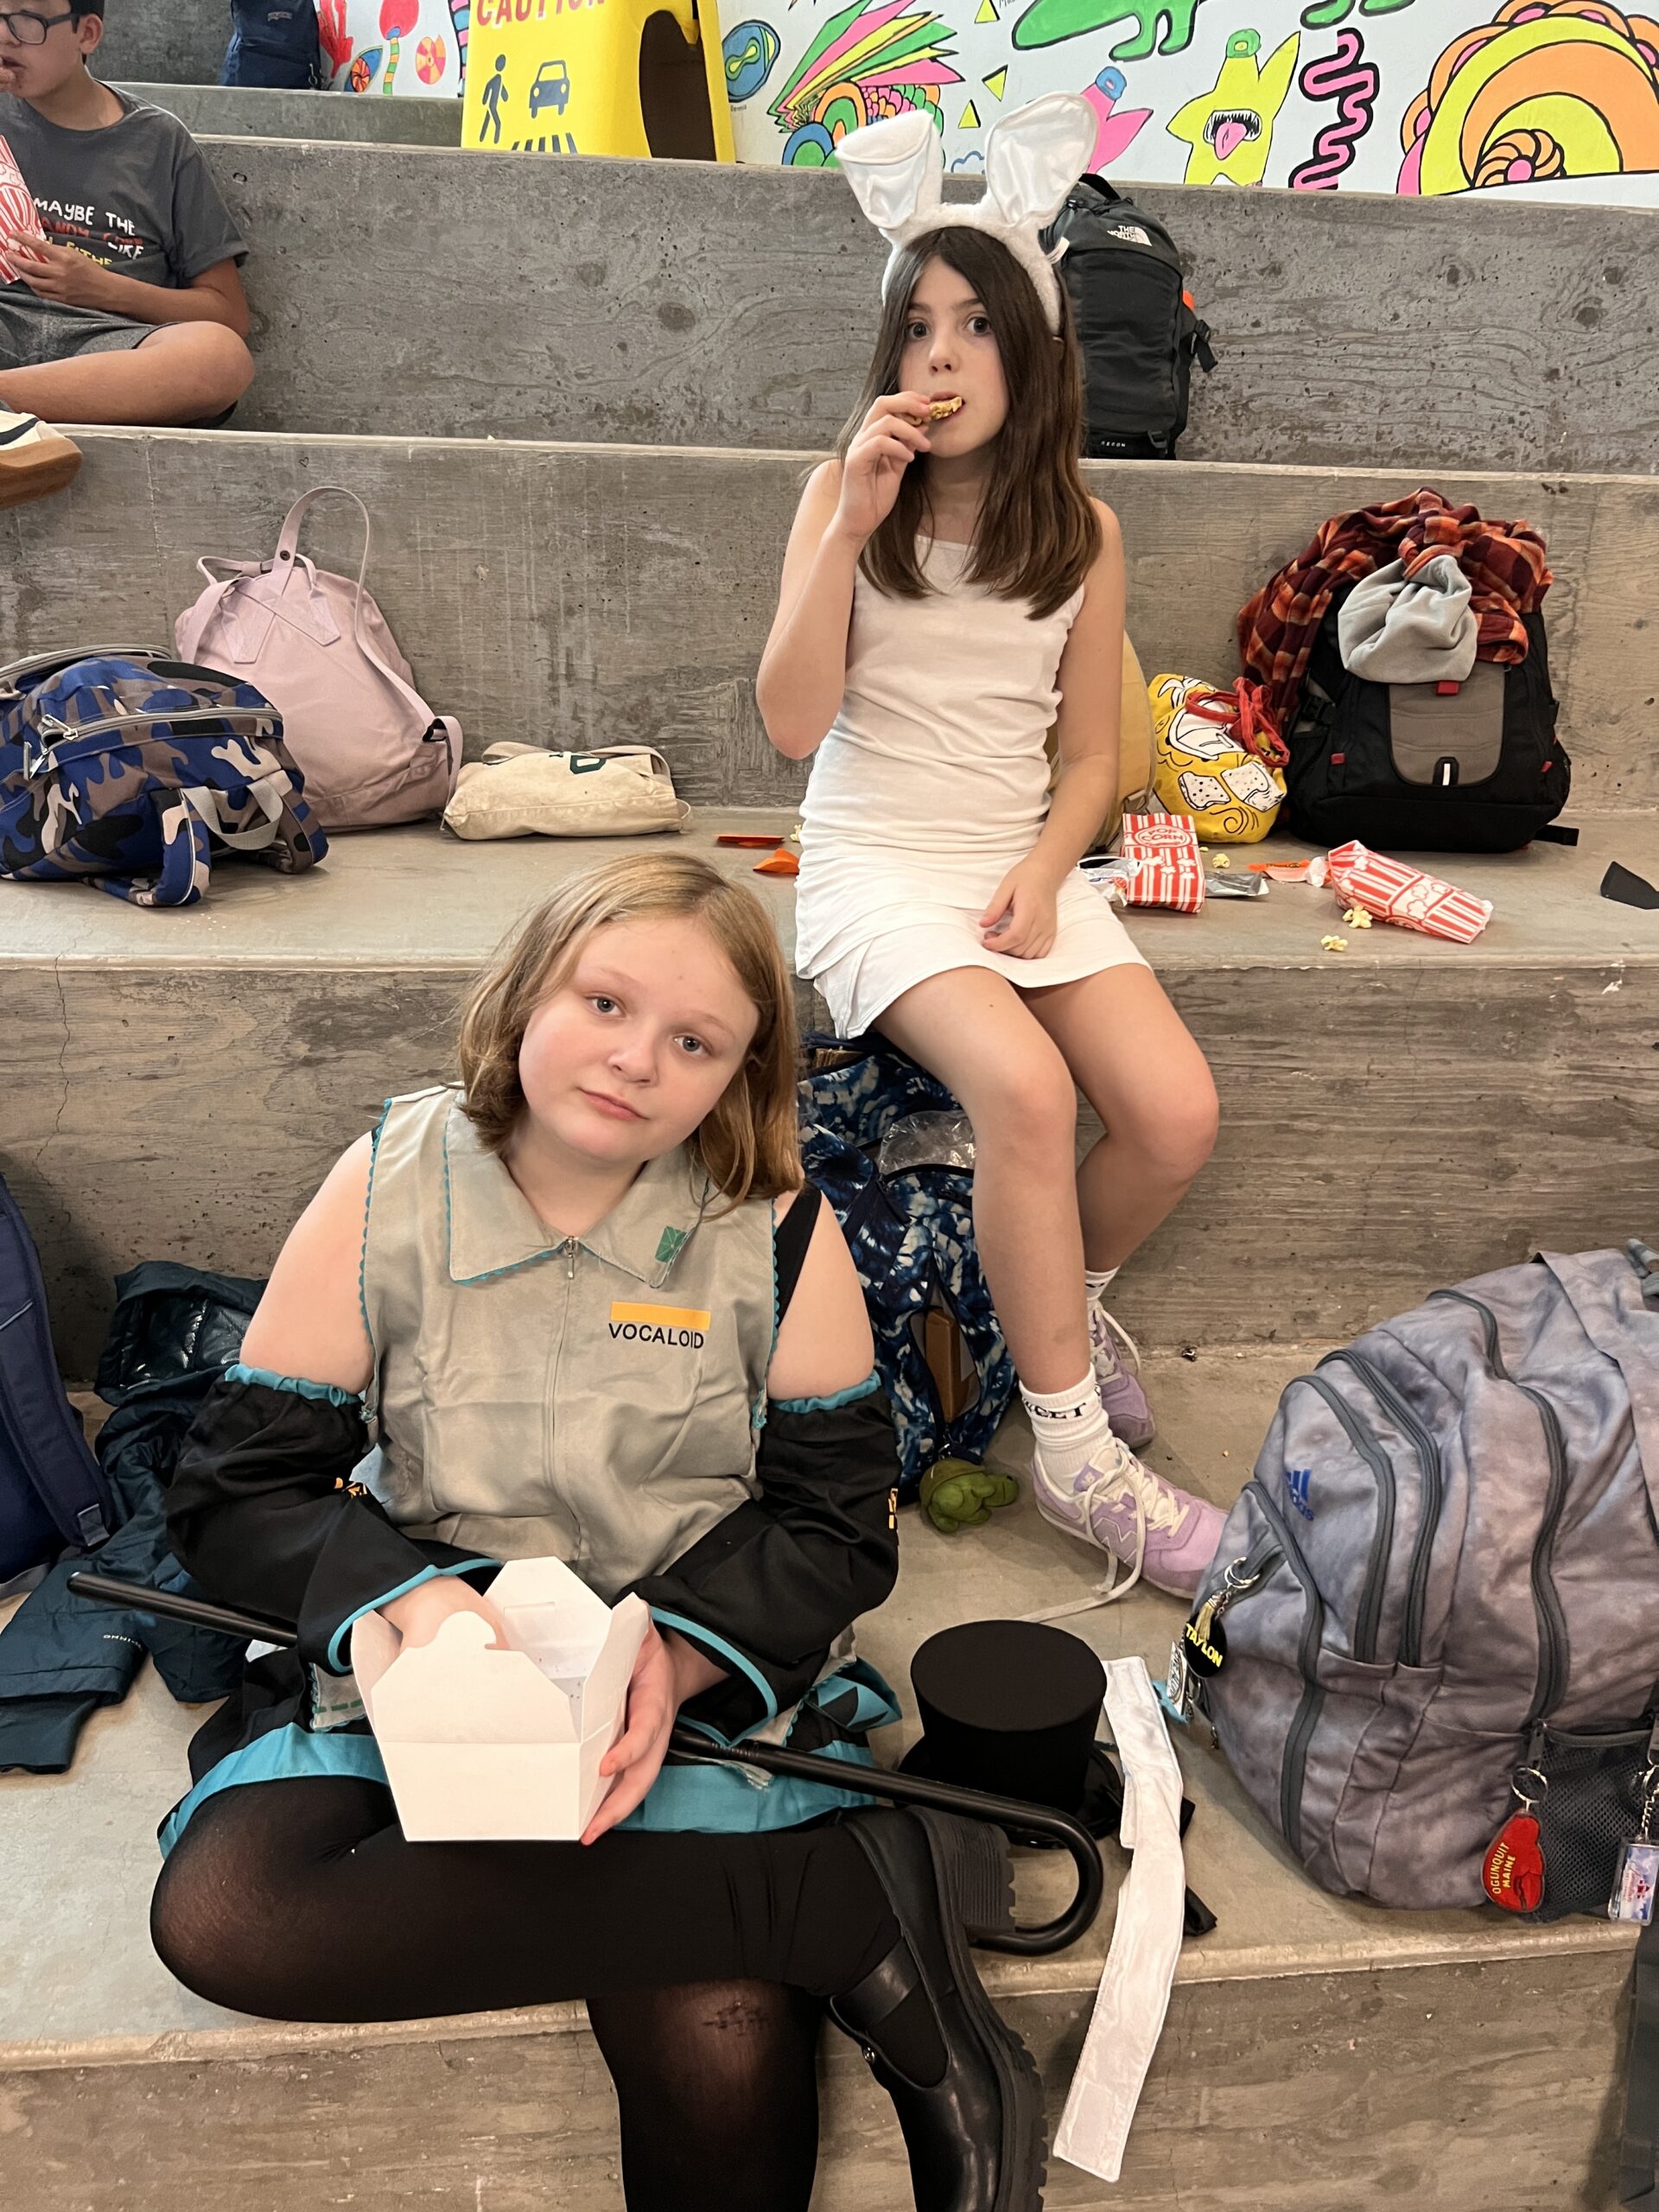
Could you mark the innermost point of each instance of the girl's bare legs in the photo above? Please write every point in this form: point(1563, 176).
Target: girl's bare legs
point(1006, 1057)
point(1135, 1062)
point(971, 1029)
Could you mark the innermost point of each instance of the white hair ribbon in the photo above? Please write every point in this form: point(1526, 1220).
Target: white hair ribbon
point(1032, 158)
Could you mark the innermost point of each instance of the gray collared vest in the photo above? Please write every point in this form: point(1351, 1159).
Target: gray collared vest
point(593, 1398)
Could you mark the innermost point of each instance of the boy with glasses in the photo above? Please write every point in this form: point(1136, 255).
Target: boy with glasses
point(130, 310)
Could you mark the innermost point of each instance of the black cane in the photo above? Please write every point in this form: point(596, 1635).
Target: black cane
point(688, 1748)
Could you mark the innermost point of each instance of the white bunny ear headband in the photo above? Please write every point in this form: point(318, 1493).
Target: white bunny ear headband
point(1032, 158)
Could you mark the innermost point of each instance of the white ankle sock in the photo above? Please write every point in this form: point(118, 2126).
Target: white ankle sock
point(1067, 1427)
point(1096, 1281)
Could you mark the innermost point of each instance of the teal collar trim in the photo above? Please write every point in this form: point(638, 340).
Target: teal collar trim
point(324, 1393)
point(493, 1229)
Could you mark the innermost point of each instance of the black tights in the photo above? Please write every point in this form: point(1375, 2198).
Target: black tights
point(704, 1959)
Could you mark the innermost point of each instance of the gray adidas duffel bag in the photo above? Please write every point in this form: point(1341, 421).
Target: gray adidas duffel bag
point(1449, 1540)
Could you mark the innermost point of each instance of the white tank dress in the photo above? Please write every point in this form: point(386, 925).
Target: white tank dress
point(932, 783)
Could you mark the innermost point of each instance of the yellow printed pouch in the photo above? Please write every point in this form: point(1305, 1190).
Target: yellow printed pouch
point(1218, 758)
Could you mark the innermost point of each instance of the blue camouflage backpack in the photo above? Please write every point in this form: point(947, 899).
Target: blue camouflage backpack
point(135, 771)
point(911, 1234)
point(53, 1493)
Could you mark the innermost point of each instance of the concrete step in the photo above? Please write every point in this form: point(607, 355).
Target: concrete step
point(240, 111)
point(679, 303)
point(165, 42)
point(1399, 1116)
point(586, 595)
point(1318, 2051)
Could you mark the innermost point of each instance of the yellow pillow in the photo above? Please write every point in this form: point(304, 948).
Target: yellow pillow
point(1228, 781)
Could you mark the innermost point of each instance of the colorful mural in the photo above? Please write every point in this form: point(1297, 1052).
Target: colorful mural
point(863, 64)
point(1549, 89)
point(1230, 128)
point(400, 48)
point(1550, 98)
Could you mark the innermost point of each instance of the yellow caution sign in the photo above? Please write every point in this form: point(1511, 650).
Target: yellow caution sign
point(564, 76)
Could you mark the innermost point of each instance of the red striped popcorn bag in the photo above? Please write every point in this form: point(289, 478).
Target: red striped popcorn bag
point(1168, 867)
point(18, 214)
point(1395, 892)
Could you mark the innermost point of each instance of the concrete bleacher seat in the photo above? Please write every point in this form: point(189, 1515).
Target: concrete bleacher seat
point(1394, 1117)
point(1318, 2051)
point(579, 595)
point(245, 111)
point(682, 303)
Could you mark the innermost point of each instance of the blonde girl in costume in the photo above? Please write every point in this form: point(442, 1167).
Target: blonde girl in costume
point(473, 1290)
point(950, 594)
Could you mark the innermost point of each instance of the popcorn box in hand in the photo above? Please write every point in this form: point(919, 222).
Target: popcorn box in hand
point(19, 217)
point(1167, 866)
point(485, 1746)
point(1395, 892)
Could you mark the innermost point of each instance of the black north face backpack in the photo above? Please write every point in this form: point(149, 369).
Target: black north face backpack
point(1136, 324)
point(1473, 768)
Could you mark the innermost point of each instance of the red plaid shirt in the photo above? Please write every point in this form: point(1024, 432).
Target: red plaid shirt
point(1503, 561)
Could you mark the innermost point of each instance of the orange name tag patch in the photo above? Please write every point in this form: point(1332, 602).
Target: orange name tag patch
point(658, 1325)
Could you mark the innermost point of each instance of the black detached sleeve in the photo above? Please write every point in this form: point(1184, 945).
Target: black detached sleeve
point(769, 1589)
point(264, 1513)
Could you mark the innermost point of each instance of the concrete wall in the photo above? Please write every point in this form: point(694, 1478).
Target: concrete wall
point(232, 111)
point(591, 595)
point(1284, 2093)
point(165, 42)
point(686, 304)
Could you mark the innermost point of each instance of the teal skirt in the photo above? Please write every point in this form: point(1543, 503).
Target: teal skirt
point(705, 1800)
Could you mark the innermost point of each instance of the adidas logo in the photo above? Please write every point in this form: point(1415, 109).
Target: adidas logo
point(1297, 1480)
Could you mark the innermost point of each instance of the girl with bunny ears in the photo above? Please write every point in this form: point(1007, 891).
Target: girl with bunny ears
point(949, 594)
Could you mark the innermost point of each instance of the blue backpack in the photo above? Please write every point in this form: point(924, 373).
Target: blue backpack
point(911, 1234)
point(53, 1493)
point(133, 771)
point(274, 44)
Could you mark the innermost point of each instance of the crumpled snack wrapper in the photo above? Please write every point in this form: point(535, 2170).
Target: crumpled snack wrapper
point(1395, 892)
point(1166, 866)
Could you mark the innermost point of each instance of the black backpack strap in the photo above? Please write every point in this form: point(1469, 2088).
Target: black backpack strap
point(1638, 2175)
point(794, 1234)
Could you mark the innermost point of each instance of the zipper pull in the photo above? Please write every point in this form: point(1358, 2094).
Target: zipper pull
point(570, 1259)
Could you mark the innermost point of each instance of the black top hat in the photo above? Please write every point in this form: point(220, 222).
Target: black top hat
point(1011, 1707)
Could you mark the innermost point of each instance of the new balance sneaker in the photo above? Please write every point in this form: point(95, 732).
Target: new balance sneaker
point(35, 459)
point(1142, 1522)
point(1120, 1393)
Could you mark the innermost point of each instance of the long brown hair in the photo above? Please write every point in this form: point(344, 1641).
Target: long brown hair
point(748, 1142)
point(1038, 534)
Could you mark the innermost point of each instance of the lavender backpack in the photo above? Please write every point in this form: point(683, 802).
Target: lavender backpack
point(370, 749)
point(1440, 1656)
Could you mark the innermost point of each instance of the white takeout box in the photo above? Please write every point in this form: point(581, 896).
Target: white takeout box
point(483, 1746)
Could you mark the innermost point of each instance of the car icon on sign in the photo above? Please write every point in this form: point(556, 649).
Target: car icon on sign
point(551, 88)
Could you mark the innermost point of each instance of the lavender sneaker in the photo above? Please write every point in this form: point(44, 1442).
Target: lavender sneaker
point(1120, 1393)
point(1141, 1521)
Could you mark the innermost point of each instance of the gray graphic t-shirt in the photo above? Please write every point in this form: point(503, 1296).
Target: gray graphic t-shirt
point(135, 196)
